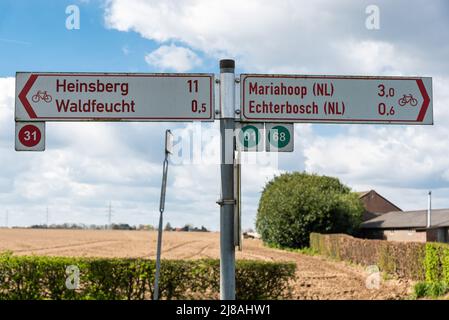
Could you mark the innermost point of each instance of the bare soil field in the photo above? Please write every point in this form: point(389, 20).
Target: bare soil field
point(317, 277)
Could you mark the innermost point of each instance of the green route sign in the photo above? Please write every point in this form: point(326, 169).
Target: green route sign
point(279, 137)
point(250, 136)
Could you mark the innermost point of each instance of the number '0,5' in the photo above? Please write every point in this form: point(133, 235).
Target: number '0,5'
point(195, 107)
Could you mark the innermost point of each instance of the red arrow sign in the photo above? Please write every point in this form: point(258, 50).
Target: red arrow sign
point(23, 96)
point(426, 102)
point(336, 99)
point(114, 97)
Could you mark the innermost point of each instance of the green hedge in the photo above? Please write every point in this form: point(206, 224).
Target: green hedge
point(436, 266)
point(414, 260)
point(402, 259)
point(116, 279)
point(437, 262)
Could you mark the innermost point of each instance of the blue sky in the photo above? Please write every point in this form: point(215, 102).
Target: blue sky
point(87, 165)
point(33, 36)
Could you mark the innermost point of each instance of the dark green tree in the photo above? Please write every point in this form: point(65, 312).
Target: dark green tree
point(293, 205)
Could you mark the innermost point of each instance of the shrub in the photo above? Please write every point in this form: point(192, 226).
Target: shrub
point(445, 263)
point(437, 289)
point(413, 260)
point(293, 205)
point(264, 280)
point(432, 263)
point(387, 261)
point(420, 289)
point(30, 278)
point(396, 258)
point(430, 289)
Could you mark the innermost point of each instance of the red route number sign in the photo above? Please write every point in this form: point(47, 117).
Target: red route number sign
point(30, 135)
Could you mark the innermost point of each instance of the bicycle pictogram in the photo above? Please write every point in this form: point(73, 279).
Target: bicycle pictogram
point(41, 95)
point(406, 99)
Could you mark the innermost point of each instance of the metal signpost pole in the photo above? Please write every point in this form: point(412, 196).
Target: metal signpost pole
point(227, 202)
point(161, 210)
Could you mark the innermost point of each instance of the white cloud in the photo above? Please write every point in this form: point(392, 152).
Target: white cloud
point(294, 36)
point(7, 86)
point(371, 57)
point(174, 58)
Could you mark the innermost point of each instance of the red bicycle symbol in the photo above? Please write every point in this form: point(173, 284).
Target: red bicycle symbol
point(41, 95)
point(406, 99)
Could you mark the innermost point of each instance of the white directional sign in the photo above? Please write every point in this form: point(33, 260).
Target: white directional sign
point(114, 97)
point(336, 99)
point(30, 136)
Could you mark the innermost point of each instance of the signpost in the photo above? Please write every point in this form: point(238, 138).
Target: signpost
point(336, 99)
point(114, 97)
point(227, 201)
point(270, 104)
point(168, 151)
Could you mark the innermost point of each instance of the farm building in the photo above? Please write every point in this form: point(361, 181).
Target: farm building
point(375, 205)
point(409, 226)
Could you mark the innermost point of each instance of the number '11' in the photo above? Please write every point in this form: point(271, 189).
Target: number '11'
point(193, 85)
